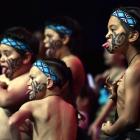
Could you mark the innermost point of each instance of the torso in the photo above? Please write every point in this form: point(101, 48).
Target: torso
point(130, 91)
point(120, 96)
point(17, 88)
point(78, 72)
point(57, 117)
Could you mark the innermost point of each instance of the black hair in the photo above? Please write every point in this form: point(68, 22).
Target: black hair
point(61, 70)
point(23, 35)
point(135, 13)
point(65, 76)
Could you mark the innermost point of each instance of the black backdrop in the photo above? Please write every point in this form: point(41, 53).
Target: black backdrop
point(91, 14)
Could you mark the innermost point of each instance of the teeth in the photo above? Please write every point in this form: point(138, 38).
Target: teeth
point(105, 45)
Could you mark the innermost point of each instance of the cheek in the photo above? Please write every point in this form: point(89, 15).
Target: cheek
point(119, 39)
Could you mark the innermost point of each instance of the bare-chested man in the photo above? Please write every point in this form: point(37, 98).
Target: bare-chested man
point(124, 37)
point(18, 50)
point(61, 35)
point(52, 116)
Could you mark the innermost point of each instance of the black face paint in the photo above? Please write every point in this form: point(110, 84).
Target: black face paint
point(13, 65)
point(117, 41)
point(54, 45)
point(36, 88)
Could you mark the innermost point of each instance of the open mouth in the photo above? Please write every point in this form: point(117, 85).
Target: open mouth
point(106, 45)
point(4, 69)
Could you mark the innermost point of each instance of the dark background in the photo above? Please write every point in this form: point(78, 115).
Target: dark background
point(92, 15)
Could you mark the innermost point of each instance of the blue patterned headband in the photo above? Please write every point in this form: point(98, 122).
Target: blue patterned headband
point(129, 20)
point(46, 69)
point(15, 44)
point(61, 29)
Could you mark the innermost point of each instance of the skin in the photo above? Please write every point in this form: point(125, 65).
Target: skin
point(117, 36)
point(109, 77)
point(13, 82)
point(62, 51)
point(128, 94)
point(9, 59)
point(48, 111)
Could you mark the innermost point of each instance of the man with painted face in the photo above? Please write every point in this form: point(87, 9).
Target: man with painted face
point(61, 35)
point(124, 37)
point(53, 118)
point(18, 50)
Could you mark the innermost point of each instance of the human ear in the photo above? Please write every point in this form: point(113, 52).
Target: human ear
point(27, 58)
point(50, 82)
point(133, 36)
point(65, 39)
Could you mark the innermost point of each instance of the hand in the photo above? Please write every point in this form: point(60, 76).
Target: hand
point(94, 131)
point(3, 85)
point(106, 127)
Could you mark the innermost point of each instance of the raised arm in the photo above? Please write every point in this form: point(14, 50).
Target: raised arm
point(14, 93)
point(96, 125)
point(25, 112)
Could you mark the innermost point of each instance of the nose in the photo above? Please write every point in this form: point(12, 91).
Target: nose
point(45, 40)
point(29, 82)
point(2, 58)
point(108, 35)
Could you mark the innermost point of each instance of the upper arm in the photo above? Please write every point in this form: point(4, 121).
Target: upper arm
point(15, 93)
point(76, 67)
point(25, 112)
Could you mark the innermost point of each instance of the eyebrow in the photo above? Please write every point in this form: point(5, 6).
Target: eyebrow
point(110, 26)
point(31, 76)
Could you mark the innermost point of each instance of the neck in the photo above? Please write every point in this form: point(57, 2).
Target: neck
point(64, 52)
point(53, 92)
point(131, 54)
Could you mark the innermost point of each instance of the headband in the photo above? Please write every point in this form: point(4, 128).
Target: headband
point(46, 69)
point(15, 44)
point(123, 16)
point(61, 29)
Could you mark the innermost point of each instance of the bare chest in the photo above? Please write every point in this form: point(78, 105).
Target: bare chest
point(120, 95)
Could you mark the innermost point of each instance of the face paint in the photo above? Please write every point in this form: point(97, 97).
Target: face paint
point(54, 45)
point(36, 89)
point(13, 65)
point(117, 41)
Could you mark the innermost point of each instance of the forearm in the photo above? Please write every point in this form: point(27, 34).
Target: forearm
point(121, 125)
point(104, 112)
point(18, 118)
point(3, 97)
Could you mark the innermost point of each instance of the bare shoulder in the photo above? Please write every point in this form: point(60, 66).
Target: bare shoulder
point(23, 76)
point(3, 78)
point(133, 72)
point(30, 105)
point(75, 64)
point(20, 81)
point(72, 60)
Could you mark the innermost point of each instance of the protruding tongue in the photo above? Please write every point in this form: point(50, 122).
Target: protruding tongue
point(105, 45)
point(4, 69)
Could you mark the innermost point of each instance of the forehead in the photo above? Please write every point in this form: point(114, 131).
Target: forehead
point(50, 31)
point(35, 71)
point(114, 21)
point(4, 47)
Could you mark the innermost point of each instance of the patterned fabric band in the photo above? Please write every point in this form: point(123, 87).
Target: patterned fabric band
point(61, 29)
point(15, 44)
point(129, 20)
point(46, 69)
